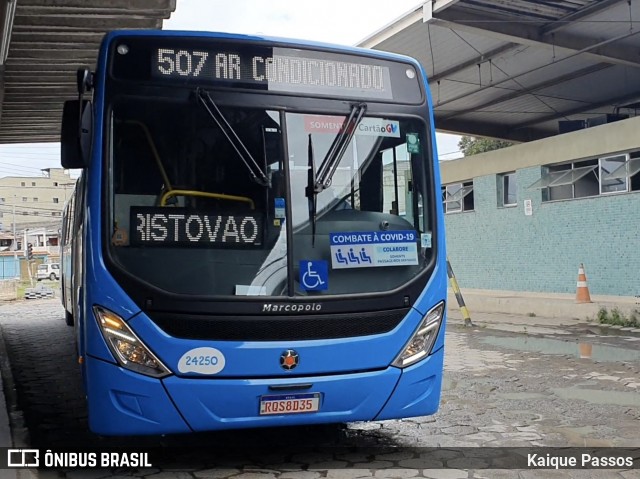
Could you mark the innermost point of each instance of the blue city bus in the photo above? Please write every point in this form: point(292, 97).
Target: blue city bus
point(257, 236)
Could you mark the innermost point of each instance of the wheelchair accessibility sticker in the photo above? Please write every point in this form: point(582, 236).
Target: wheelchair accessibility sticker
point(314, 275)
point(373, 249)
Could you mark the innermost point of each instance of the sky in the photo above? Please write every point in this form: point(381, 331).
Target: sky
point(344, 22)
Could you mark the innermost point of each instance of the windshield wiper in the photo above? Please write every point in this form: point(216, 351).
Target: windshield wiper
point(310, 192)
point(216, 115)
point(338, 147)
point(320, 181)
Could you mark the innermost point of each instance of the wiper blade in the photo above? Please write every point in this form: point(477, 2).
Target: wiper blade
point(317, 182)
point(310, 192)
point(338, 147)
point(216, 115)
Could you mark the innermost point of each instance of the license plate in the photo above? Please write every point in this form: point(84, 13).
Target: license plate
point(289, 403)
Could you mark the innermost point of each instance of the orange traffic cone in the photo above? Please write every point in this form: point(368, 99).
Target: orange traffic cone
point(582, 290)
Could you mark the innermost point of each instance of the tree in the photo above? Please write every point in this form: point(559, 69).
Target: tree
point(472, 146)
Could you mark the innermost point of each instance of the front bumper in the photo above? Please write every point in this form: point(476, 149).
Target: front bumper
point(126, 403)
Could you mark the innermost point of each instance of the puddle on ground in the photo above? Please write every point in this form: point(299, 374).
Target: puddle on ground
point(593, 396)
point(597, 396)
point(579, 436)
point(604, 331)
point(522, 396)
point(596, 352)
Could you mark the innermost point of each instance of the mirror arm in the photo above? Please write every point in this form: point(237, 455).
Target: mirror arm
point(84, 82)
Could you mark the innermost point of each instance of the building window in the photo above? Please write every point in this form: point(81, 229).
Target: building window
point(458, 197)
point(633, 170)
point(55, 183)
point(35, 200)
point(24, 199)
point(56, 200)
point(22, 183)
point(613, 174)
point(569, 180)
point(599, 176)
point(33, 183)
point(507, 189)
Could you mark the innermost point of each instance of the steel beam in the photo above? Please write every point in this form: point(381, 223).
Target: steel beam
point(549, 36)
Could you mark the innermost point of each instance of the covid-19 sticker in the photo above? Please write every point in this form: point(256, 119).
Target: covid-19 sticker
point(366, 249)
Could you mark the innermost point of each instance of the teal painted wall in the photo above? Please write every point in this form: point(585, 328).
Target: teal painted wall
point(500, 248)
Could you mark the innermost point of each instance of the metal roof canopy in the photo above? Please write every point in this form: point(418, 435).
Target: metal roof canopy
point(513, 69)
point(43, 43)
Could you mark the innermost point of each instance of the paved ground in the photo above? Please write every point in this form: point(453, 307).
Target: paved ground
point(511, 381)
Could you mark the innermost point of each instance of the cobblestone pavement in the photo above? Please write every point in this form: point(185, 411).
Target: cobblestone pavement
point(501, 389)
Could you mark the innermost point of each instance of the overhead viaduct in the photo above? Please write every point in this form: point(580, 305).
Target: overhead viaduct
point(43, 43)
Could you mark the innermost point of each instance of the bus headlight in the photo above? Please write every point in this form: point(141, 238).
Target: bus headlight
point(422, 340)
point(126, 347)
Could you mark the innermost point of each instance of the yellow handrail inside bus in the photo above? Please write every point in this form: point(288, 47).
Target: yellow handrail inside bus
point(170, 191)
point(203, 194)
point(154, 150)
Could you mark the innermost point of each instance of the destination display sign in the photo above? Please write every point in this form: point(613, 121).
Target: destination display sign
point(284, 70)
point(182, 226)
point(269, 68)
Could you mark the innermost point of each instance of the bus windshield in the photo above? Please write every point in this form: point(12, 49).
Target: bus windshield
point(223, 206)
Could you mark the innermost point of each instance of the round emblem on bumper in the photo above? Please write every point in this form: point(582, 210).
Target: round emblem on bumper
point(289, 359)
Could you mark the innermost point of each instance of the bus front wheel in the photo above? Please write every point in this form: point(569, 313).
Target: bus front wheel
point(68, 318)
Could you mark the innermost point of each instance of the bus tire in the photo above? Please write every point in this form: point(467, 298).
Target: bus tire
point(68, 318)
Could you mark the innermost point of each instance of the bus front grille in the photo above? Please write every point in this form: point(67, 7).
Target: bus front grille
point(278, 328)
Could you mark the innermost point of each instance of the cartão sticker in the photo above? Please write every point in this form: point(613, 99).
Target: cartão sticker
point(366, 249)
point(367, 126)
point(202, 361)
point(425, 240)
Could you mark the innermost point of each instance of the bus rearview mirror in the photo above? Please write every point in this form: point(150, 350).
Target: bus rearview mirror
point(75, 134)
